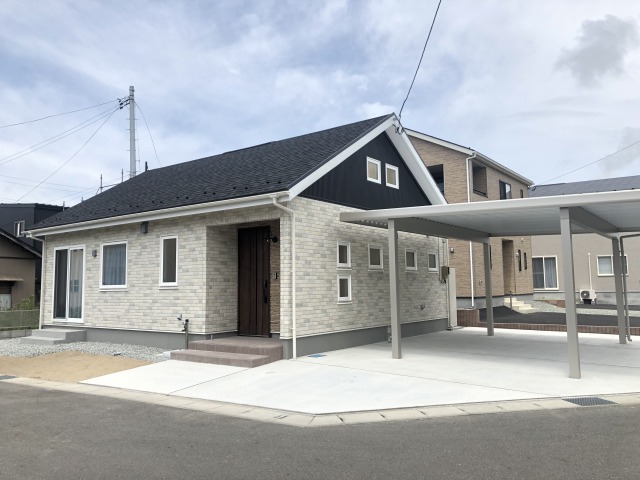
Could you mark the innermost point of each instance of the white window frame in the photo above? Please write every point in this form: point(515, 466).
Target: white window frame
point(433, 269)
point(378, 165)
point(167, 284)
point(388, 167)
point(126, 265)
point(53, 284)
point(415, 260)
point(343, 276)
point(378, 247)
point(18, 228)
point(544, 278)
point(343, 265)
point(626, 262)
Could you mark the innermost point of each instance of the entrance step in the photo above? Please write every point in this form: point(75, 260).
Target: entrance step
point(519, 306)
point(235, 351)
point(54, 336)
point(221, 358)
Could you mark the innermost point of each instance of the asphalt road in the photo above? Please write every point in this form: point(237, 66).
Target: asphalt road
point(58, 435)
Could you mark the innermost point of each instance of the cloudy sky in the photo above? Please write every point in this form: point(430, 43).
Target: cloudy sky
point(543, 87)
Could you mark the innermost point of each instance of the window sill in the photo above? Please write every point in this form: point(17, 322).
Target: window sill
point(411, 270)
point(113, 289)
point(432, 271)
point(376, 269)
point(344, 302)
point(167, 287)
point(344, 267)
point(546, 289)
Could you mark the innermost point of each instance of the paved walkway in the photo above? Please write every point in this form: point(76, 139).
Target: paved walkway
point(459, 372)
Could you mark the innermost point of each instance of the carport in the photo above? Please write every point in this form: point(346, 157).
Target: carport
point(610, 214)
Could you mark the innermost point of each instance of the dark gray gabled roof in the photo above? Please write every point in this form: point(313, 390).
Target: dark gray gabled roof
point(267, 168)
point(19, 243)
point(587, 186)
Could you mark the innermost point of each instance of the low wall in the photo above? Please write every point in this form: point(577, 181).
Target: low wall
point(18, 323)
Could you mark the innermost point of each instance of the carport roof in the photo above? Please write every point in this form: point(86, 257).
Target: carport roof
point(607, 213)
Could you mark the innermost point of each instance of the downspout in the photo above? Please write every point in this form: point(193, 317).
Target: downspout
point(473, 300)
point(293, 274)
point(42, 276)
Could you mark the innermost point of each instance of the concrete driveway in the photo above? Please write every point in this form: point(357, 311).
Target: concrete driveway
point(444, 368)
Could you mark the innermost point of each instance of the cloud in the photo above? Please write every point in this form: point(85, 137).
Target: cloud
point(375, 109)
point(630, 142)
point(601, 49)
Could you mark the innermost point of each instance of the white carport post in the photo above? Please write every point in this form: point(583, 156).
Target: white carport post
point(617, 274)
point(396, 347)
point(488, 294)
point(569, 293)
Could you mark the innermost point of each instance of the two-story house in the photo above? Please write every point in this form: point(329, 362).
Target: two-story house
point(465, 175)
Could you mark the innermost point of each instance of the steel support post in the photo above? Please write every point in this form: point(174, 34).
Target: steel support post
point(396, 334)
point(488, 294)
point(569, 293)
point(617, 274)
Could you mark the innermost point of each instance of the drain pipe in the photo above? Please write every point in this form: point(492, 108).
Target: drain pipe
point(293, 274)
point(473, 300)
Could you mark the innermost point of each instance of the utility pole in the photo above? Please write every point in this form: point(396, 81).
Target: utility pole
point(132, 135)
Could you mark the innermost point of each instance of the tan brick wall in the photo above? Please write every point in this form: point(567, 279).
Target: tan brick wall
point(455, 191)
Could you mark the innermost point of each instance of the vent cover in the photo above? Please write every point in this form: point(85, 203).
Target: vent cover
point(589, 401)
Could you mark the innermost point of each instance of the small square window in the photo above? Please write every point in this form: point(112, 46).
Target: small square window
point(605, 265)
point(432, 262)
point(391, 174)
point(373, 170)
point(410, 258)
point(344, 288)
point(375, 257)
point(344, 254)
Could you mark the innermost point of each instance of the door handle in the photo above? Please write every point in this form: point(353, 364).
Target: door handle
point(266, 295)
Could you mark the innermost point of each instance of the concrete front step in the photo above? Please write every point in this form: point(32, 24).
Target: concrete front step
point(54, 336)
point(221, 358)
point(269, 347)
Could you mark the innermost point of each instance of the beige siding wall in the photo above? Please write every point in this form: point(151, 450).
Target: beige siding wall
point(455, 191)
point(318, 230)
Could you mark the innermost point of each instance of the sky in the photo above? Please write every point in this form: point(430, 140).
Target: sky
point(541, 87)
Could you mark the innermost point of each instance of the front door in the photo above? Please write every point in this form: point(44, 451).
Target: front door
point(253, 282)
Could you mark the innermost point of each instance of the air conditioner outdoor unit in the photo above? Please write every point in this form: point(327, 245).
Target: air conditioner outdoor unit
point(587, 296)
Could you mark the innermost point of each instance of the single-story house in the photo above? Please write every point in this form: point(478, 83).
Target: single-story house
point(250, 242)
point(17, 270)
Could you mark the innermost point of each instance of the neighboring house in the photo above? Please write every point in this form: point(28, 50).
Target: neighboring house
point(593, 265)
point(17, 270)
point(464, 175)
point(17, 218)
point(250, 242)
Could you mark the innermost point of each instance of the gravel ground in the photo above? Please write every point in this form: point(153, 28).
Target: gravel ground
point(13, 348)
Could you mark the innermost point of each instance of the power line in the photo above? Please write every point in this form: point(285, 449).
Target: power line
point(587, 165)
point(420, 62)
point(55, 115)
point(150, 136)
point(60, 136)
point(35, 181)
point(71, 157)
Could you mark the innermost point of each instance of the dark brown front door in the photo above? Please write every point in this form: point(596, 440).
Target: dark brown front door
point(253, 282)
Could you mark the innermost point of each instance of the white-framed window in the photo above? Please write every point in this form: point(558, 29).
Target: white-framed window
point(545, 273)
point(344, 255)
point(169, 261)
point(113, 266)
point(410, 259)
point(432, 262)
point(605, 265)
point(344, 288)
point(391, 176)
point(375, 257)
point(18, 229)
point(374, 173)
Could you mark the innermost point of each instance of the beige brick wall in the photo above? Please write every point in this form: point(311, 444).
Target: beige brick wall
point(455, 181)
point(318, 230)
point(207, 274)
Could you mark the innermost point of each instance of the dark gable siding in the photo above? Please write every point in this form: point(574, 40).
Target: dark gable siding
point(347, 184)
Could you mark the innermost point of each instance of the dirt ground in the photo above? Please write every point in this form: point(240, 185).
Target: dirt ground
point(69, 367)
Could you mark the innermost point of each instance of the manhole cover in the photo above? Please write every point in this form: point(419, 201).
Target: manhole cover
point(589, 401)
point(6, 377)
